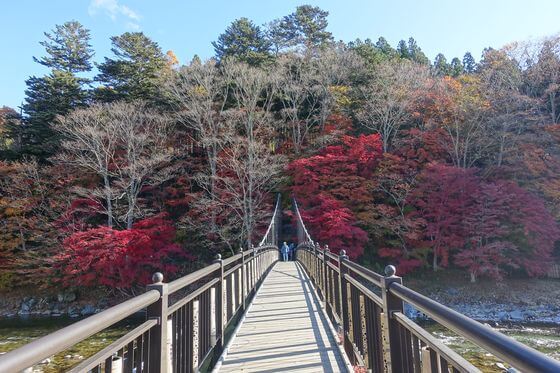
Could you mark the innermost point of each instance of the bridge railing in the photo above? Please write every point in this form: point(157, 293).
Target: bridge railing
point(271, 236)
point(369, 309)
point(187, 320)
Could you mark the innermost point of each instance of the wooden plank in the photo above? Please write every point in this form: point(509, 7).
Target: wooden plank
point(285, 329)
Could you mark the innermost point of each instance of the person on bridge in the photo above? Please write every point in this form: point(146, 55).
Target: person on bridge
point(292, 251)
point(285, 250)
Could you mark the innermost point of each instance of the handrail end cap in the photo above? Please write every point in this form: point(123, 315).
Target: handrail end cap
point(390, 271)
point(157, 278)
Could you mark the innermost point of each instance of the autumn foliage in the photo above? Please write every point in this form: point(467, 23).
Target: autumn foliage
point(120, 259)
point(424, 210)
point(391, 158)
point(489, 227)
point(333, 186)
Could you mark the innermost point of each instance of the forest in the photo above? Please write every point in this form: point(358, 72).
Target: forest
point(112, 171)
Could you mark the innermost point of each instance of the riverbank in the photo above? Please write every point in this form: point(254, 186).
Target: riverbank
point(511, 301)
point(69, 303)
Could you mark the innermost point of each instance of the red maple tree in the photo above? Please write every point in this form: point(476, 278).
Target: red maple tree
point(443, 197)
point(120, 259)
point(334, 187)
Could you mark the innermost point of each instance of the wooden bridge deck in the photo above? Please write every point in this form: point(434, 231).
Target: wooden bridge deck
point(284, 329)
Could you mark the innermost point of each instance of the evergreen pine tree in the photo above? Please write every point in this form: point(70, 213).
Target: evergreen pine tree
point(309, 26)
point(456, 67)
point(469, 64)
point(385, 48)
point(441, 67)
point(245, 41)
point(137, 71)
point(416, 53)
point(68, 52)
point(10, 136)
point(304, 29)
point(402, 50)
point(68, 48)
point(368, 51)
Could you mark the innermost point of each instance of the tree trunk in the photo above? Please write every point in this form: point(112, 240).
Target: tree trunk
point(22, 238)
point(108, 201)
point(131, 205)
point(501, 151)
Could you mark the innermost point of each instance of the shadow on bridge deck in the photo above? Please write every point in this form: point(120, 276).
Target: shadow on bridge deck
point(284, 329)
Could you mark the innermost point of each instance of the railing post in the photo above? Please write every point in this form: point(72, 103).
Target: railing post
point(158, 335)
point(392, 347)
point(242, 278)
point(343, 295)
point(219, 302)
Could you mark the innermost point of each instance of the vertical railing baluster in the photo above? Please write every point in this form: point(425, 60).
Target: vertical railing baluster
point(109, 365)
point(356, 318)
point(416, 354)
point(229, 297)
point(444, 365)
point(433, 360)
point(325, 285)
point(409, 351)
point(243, 296)
point(200, 328)
point(188, 341)
point(402, 345)
point(320, 270)
point(337, 302)
point(369, 316)
point(237, 287)
point(219, 302)
point(254, 268)
point(185, 358)
point(343, 295)
point(313, 264)
point(248, 272)
point(174, 342)
point(146, 352)
point(158, 337)
point(181, 338)
point(129, 357)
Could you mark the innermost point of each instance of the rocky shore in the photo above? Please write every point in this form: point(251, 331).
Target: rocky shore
point(497, 314)
point(512, 301)
point(62, 304)
point(522, 301)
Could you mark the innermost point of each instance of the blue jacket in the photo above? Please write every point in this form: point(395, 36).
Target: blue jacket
point(285, 248)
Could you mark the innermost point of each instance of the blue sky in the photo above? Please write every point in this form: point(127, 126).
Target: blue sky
point(189, 26)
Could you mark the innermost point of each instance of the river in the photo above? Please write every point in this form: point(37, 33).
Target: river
point(16, 332)
point(545, 338)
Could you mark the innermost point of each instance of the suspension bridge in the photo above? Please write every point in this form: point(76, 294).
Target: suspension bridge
point(253, 313)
